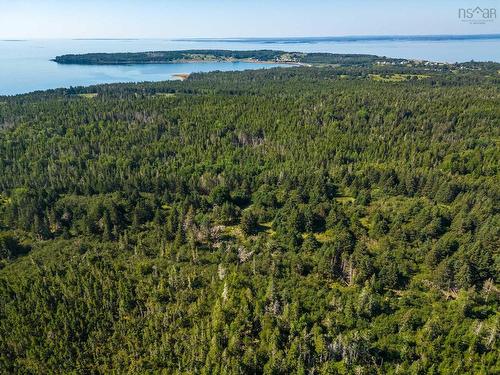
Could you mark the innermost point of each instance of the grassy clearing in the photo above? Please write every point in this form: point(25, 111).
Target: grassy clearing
point(324, 236)
point(234, 231)
point(397, 77)
point(88, 95)
point(164, 95)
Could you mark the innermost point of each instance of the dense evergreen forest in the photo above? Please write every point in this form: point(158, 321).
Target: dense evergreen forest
point(303, 220)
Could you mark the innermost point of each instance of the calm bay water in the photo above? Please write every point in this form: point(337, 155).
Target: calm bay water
point(26, 65)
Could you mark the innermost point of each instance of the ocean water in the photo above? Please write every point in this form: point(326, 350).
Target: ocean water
point(25, 65)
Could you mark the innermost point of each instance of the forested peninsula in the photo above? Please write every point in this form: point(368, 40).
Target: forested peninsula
point(169, 57)
point(334, 219)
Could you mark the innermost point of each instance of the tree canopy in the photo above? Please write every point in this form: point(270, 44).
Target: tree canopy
point(337, 219)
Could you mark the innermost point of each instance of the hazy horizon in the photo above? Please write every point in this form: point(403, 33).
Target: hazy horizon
point(242, 38)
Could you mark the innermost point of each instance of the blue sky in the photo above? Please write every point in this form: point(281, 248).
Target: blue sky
point(21, 19)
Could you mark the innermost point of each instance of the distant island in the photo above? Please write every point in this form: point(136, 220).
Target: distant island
point(172, 57)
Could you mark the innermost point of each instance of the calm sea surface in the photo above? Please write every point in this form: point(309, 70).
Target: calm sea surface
point(25, 65)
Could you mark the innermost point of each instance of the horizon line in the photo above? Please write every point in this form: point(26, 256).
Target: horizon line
point(274, 38)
